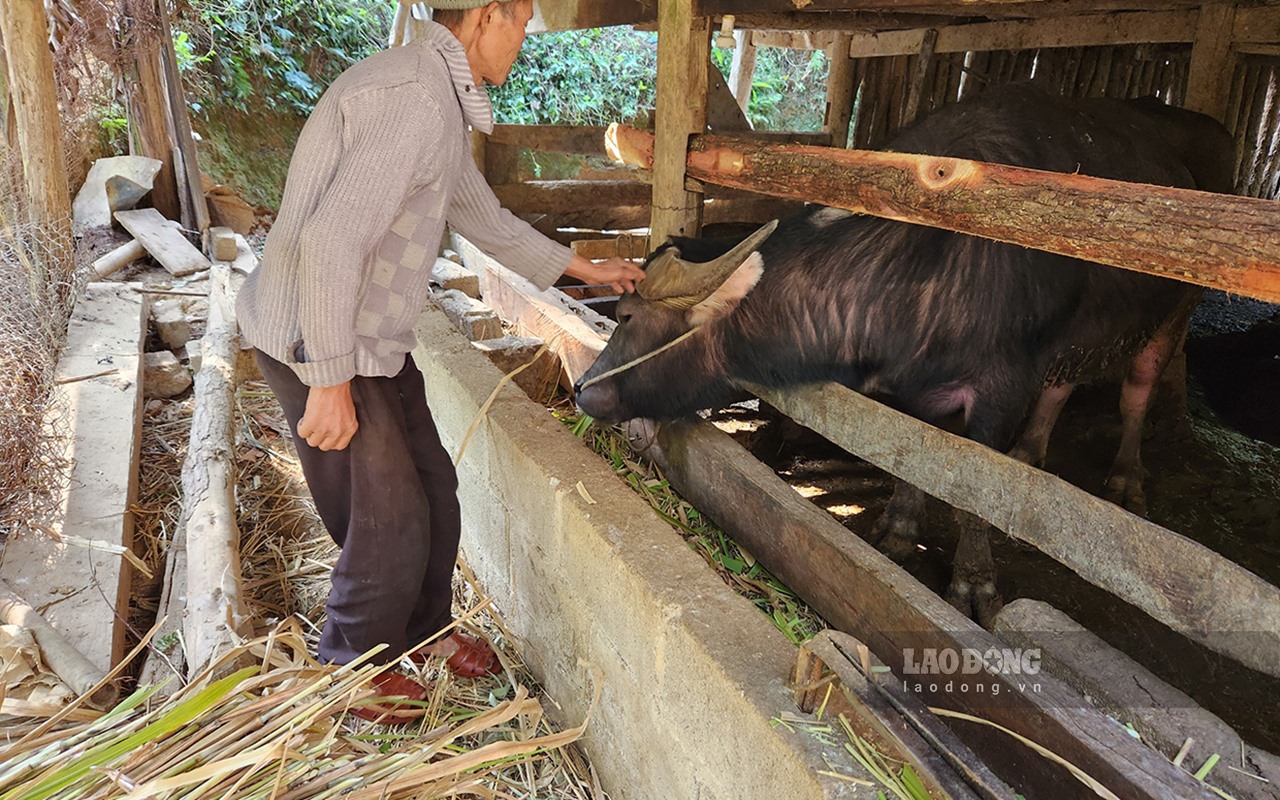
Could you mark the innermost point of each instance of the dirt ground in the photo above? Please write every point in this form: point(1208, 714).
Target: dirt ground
point(1214, 477)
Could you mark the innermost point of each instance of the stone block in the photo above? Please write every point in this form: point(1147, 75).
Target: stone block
point(448, 274)
point(476, 320)
point(164, 375)
point(172, 325)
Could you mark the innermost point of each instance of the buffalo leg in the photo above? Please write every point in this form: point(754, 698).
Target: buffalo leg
point(1124, 483)
point(898, 529)
point(1034, 444)
point(973, 584)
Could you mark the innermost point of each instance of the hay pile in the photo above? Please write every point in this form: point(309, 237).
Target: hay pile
point(281, 728)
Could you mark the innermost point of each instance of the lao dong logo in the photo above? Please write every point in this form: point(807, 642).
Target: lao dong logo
point(971, 661)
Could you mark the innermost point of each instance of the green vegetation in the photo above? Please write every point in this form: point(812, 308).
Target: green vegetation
point(605, 75)
point(735, 566)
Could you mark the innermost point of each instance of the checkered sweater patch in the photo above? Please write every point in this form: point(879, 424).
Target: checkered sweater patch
point(381, 165)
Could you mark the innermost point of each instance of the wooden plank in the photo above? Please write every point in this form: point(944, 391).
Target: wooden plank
point(860, 591)
point(797, 40)
point(587, 140)
point(683, 61)
point(1219, 241)
point(186, 161)
point(723, 112)
point(1177, 581)
point(1086, 30)
point(150, 123)
point(1209, 83)
point(841, 88)
point(571, 331)
point(575, 15)
point(887, 10)
point(743, 70)
point(890, 719)
point(163, 241)
point(1256, 25)
point(75, 576)
point(33, 96)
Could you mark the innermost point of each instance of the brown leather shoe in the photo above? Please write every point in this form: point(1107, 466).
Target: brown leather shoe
point(398, 703)
point(472, 656)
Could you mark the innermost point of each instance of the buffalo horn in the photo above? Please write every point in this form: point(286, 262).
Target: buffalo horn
point(671, 280)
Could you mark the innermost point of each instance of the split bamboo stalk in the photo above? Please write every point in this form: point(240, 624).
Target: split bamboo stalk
point(70, 665)
point(1219, 241)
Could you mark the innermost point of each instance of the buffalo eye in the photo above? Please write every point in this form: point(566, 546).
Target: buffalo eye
point(624, 318)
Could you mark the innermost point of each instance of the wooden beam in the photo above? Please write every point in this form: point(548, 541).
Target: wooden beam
point(150, 121)
point(841, 90)
point(575, 15)
point(796, 40)
point(1083, 31)
point(757, 209)
point(1219, 241)
point(887, 10)
point(587, 140)
point(572, 332)
point(858, 590)
point(743, 71)
point(1181, 583)
point(1256, 25)
point(683, 60)
point(34, 95)
point(1212, 63)
point(186, 161)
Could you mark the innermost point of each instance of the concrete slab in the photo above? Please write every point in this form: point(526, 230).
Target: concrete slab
point(79, 588)
point(607, 594)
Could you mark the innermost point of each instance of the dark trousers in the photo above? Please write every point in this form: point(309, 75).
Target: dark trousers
point(390, 501)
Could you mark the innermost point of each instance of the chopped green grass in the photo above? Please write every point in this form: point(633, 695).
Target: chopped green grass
point(736, 567)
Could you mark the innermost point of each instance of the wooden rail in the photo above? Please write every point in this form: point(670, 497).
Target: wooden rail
point(1152, 229)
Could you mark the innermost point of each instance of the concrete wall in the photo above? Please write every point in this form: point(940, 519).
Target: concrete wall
point(692, 673)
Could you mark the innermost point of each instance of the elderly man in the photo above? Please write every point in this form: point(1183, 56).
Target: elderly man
point(381, 165)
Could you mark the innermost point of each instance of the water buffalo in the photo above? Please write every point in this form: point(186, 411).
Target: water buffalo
point(956, 330)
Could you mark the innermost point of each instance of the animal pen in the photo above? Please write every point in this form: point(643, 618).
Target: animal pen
point(698, 695)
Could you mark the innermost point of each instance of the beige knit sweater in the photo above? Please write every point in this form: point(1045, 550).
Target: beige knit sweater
point(381, 165)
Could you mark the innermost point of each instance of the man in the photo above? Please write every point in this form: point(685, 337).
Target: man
point(381, 165)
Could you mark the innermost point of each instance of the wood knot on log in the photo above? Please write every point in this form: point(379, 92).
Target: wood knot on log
point(939, 173)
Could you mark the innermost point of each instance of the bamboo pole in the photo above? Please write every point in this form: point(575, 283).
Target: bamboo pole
point(1219, 241)
point(34, 97)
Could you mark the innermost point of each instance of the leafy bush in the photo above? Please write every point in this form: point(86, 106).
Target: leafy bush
point(605, 75)
point(279, 55)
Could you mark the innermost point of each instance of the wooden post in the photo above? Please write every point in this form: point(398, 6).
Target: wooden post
point(841, 90)
point(683, 60)
point(743, 71)
point(1209, 83)
point(186, 162)
point(924, 60)
point(151, 126)
point(34, 98)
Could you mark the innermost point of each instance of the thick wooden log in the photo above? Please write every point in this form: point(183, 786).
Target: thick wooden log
point(860, 591)
point(34, 98)
point(1219, 241)
point(1181, 583)
point(683, 61)
point(217, 617)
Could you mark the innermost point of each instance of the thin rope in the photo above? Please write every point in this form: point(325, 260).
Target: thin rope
point(639, 360)
point(484, 409)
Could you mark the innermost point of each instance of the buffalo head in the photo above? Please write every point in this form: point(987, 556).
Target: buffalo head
point(664, 359)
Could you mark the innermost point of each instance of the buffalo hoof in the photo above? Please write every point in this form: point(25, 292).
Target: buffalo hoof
point(978, 601)
point(1126, 492)
point(895, 535)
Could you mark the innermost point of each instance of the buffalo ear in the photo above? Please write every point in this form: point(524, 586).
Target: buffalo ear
point(726, 298)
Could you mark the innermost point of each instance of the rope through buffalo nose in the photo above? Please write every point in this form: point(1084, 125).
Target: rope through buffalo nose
point(616, 370)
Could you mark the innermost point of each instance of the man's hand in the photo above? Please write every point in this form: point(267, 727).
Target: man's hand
point(329, 421)
point(618, 272)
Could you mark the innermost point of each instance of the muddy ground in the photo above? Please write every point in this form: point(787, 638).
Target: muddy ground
point(1213, 476)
